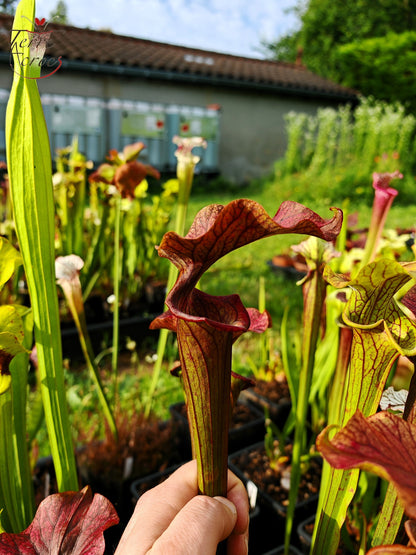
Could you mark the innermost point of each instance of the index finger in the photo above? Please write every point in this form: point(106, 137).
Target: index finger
point(157, 508)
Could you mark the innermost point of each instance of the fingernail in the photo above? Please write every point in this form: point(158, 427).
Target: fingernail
point(227, 503)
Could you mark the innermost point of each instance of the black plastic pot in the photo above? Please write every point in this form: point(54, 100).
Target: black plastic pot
point(305, 537)
point(278, 412)
point(136, 328)
point(303, 509)
point(239, 436)
point(138, 487)
point(305, 530)
point(281, 549)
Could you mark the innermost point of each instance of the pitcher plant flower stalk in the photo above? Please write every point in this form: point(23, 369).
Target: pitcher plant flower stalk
point(67, 273)
point(124, 172)
point(381, 332)
point(116, 293)
point(317, 253)
point(206, 325)
point(29, 166)
point(185, 169)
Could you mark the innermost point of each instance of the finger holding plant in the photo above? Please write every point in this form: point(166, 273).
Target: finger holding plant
point(206, 325)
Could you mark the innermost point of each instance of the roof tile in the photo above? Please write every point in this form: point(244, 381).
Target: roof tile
point(108, 49)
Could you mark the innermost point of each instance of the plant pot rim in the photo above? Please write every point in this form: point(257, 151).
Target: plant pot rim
point(277, 506)
point(151, 477)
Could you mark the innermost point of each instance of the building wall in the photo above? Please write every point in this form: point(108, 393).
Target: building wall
point(252, 128)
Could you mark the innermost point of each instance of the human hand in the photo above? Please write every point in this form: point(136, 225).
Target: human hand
point(172, 519)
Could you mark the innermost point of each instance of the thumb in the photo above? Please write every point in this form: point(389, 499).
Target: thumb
point(198, 528)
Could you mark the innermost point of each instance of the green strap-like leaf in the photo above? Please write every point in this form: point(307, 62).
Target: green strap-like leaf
point(19, 368)
point(390, 519)
point(314, 289)
point(16, 490)
point(29, 166)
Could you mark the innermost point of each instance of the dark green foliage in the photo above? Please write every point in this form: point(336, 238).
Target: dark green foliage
point(332, 155)
point(326, 24)
point(368, 45)
point(286, 49)
point(60, 13)
point(384, 66)
point(8, 6)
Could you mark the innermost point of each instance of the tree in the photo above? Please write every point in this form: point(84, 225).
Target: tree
point(382, 67)
point(333, 39)
point(326, 24)
point(285, 49)
point(7, 6)
point(60, 13)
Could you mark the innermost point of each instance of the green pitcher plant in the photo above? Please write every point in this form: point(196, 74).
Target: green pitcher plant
point(382, 443)
point(381, 332)
point(349, 363)
point(67, 270)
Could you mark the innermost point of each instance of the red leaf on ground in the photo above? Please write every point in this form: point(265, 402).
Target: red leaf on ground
point(65, 523)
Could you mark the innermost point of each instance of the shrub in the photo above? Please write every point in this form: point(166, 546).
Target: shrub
point(334, 152)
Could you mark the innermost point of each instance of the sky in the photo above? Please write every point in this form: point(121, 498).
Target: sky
point(231, 26)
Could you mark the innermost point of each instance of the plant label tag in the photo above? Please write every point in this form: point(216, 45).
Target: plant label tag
point(252, 490)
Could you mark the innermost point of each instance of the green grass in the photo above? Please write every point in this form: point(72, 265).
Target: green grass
point(239, 272)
